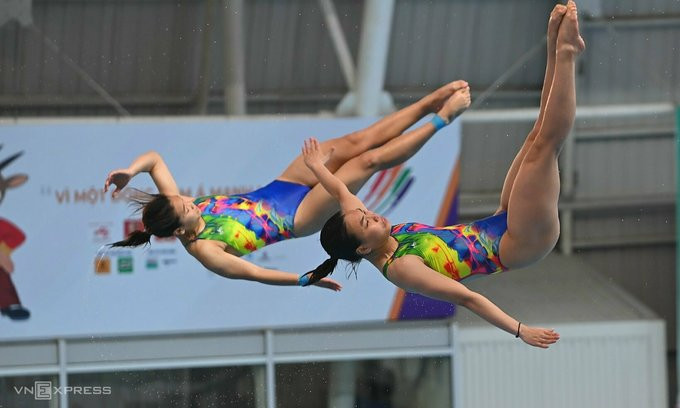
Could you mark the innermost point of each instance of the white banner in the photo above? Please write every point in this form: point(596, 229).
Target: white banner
point(66, 220)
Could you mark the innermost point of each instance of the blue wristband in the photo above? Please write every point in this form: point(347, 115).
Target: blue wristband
point(303, 280)
point(438, 122)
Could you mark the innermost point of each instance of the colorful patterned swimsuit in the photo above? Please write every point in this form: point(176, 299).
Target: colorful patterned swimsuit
point(250, 221)
point(458, 251)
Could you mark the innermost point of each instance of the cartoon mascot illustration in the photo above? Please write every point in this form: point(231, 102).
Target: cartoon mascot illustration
point(10, 238)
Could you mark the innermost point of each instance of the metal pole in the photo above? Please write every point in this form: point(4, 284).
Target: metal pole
point(81, 72)
point(583, 112)
point(508, 73)
point(270, 368)
point(375, 37)
point(339, 42)
point(677, 255)
point(636, 23)
point(260, 374)
point(63, 378)
point(204, 78)
point(342, 387)
point(234, 59)
point(456, 369)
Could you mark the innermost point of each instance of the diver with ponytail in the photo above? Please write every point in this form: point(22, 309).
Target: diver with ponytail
point(433, 261)
point(338, 244)
point(156, 212)
point(219, 229)
point(134, 239)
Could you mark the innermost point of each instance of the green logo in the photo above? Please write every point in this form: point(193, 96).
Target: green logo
point(125, 264)
point(152, 263)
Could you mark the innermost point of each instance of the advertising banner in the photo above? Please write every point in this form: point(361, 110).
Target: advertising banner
point(56, 222)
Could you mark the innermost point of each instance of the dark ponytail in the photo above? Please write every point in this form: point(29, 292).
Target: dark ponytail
point(321, 271)
point(136, 238)
point(338, 244)
point(158, 216)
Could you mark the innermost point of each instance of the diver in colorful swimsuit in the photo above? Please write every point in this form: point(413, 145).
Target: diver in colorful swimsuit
point(458, 252)
point(250, 221)
point(431, 261)
point(218, 230)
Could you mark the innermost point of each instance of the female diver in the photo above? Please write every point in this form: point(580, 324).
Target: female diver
point(218, 230)
point(430, 260)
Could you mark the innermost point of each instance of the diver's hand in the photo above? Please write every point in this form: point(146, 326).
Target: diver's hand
point(119, 178)
point(312, 154)
point(538, 336)
point(456, 104)
point(329, 283)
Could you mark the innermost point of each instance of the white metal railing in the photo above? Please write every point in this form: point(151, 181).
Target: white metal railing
point(356, 342)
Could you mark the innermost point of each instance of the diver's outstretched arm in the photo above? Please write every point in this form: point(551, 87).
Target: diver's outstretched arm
point(150, 162)
point(410, 273)
point(229, 266)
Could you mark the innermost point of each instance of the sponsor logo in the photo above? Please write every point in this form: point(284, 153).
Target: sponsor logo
point(101, 232)
point(388, 189)
point(152, 263)
point(169, 261)
point(102, 265)
point(125, 264)
point(131, 225)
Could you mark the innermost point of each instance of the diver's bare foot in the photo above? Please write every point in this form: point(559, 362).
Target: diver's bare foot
point(456, 104)
point(553, 26)
point(569, 39)
point(435, 101)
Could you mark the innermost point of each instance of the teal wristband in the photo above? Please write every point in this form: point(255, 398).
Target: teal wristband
point(303, 280)
point(438, 122)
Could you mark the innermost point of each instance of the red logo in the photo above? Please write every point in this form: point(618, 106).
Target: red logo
point(132, 225)
point(101, 233)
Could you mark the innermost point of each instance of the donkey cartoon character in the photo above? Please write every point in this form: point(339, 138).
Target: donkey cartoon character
point(10, 238)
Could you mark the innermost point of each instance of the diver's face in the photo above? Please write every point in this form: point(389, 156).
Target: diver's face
point(369, 228)
point(189, 214)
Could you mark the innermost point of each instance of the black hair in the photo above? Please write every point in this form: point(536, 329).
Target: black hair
point(338, 244)
point(158, 216)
